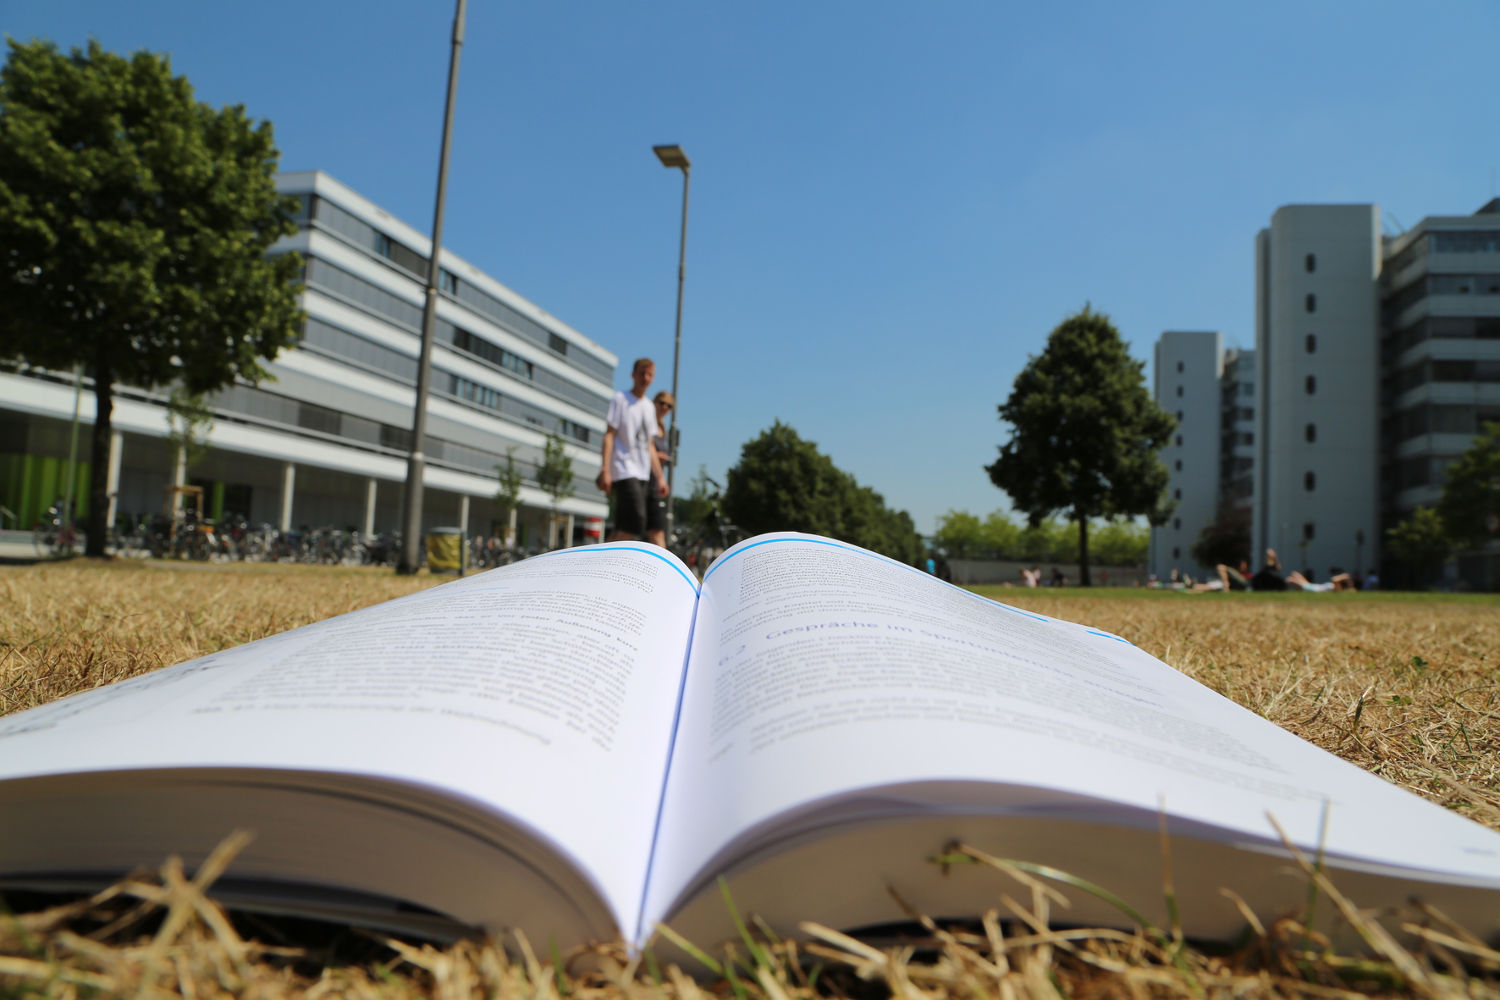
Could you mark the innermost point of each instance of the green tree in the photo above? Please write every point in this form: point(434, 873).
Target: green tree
point(1422, 541)
point(555, 474)
point(1225, 539)
point(508, 481)
point(1002, 536)
point(134, 225)
point(783, 483)
point(960, 535)
point(189, 421)
point(689, 512)
point(1122, 543)
point(1470, 504)
point(1086, 433)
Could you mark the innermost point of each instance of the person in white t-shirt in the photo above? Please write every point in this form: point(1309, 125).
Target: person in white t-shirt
point(630, 461)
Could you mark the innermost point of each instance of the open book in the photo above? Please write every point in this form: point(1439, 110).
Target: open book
point(580, 745)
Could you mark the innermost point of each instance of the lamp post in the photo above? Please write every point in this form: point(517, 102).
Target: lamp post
point(670, 157)
point(411, 497)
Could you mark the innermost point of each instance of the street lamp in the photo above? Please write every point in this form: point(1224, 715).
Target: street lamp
point(411, 497)
point(670, 157)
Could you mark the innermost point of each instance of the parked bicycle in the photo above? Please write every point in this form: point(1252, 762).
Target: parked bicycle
point(54, 535)
point(700, 544)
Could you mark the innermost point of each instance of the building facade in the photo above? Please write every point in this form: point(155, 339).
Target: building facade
point(325, 441)
point(1376, 362)
point(1187, 367)
point(1317, 342)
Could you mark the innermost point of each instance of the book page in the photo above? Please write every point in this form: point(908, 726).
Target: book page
point(827, 682)
point(544, 691)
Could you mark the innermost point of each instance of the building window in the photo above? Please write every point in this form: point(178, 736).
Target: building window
point(1312, 343)
point(557, 343)
point(1311, 384)
point(1310, 432)
point(1177, 495)
point(1310, 262)
point(1176, 552)
point(448, 282)
point(1309, 481)
point(1312, 302)
point(1179, 465)
point(1176, 524)
point(1179, 367)
point(1307, 531)
point(1179, 392)
point(1179, 440)
point(1179, 416)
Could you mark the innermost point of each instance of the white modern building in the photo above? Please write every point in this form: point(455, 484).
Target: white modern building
point(1317, 341)
point(1187, 367)
point(325, 441)
point(1376, 362)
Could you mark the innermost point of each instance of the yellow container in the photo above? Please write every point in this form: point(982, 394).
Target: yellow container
point(445, 550)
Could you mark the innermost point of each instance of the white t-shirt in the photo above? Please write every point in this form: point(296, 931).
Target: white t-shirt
point(634, 423)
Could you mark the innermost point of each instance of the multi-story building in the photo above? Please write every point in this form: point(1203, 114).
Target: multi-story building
point(1377, 362)
point(1318, 359)
point(1187, 367)
point(1440, 312)
point(325, 441)
point(1237, 432)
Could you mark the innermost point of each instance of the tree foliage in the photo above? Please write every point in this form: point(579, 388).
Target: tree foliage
point(1225, 539)
point(1086, 432)
point(783, 483)
point(189, 421)
point(1471, 492)
point(555, 474)
point(508, 481)
point(134, 225)
point(1421, 541)
point(961, 535)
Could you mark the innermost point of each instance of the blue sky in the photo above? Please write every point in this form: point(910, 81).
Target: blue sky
point(892, 204)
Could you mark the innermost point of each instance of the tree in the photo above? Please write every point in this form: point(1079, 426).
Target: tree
point(1225, 539)
point(508, 490)
point(189, 420)
point(1122, 543)
point(1422, 541)
point(134, 225)
point(555, 474)
point(1470, 504)
point(783, 483)
point(960, 535)
point(1086, 433)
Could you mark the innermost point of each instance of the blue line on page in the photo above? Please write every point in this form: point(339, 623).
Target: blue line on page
point(650, 550)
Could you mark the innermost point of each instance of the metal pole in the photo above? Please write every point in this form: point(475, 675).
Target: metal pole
point(411, 502)
point(677, 355)
point(67, 511)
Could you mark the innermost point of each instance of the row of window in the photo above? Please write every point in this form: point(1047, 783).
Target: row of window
point(1429, 370)
point(1441, 284)
point(1440, 419)
point(1446, 328)
point(367, 237)
point(347, 346)
point(352, 288)
point(272, 408)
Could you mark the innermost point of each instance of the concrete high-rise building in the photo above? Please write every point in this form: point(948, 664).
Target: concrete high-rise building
point(1440, 295)
point(1317, 342)
point(1187, 367)
point(1376, 362)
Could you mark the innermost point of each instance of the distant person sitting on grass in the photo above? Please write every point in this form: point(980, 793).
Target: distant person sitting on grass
point(1269, 576)
point(1339, 581)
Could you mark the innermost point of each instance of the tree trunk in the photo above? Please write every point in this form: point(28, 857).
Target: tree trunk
point(97, 527)
point(1083, 551)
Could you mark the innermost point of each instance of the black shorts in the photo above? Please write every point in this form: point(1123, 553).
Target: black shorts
point(630, 506)
point(656, 512)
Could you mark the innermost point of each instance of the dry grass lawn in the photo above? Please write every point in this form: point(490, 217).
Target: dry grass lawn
point(1405, 686)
